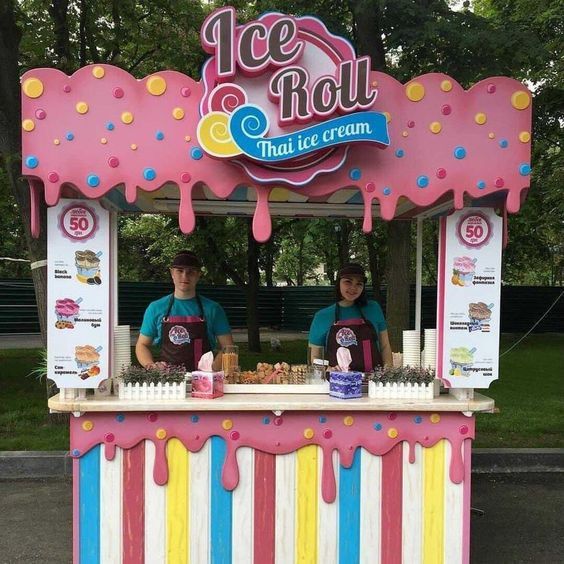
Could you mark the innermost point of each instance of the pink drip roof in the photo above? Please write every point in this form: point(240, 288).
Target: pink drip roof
point(101, 128)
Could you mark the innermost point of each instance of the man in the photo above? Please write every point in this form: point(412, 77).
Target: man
point(185, 324)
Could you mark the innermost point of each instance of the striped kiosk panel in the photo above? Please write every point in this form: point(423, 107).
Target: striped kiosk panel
point(433, 503)
point(133, 504)
point(111, 474)
point(177, 522)
point(199, 477)
point(221, 507)
point(391, 499)
point(370, 508)
point(454, 513)
point(349, 511)
point(328, 531)
point(243, 510)
point(285, 508)
point(412, 502)
point(307, 494)
point(89, 507)
point(155, 511)
point(264, 499)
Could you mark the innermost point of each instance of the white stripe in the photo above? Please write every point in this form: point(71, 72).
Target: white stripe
point(110, 508)
point(454, 512)
point(285, 533)
point(328, 516)
point(412, 506)
point(155, 511)
point(243, 507)
point(199, 497)
point(370, 507)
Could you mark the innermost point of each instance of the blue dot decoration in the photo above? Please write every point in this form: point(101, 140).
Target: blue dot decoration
point(503, 143)
point(159, 135)
point(120, 417)
point(32, 161)
point(422, 181)
point(481, 184)
point(196, 153)
point(69, 136)
point(387, 191)
point(524, 169)
point(323, 419)
point(355, 174)
point(459, 152)
point(266, 421)
point(149, 173)
point(378, 426)
point(418, 419)
point(400, 153)
point(110, 126)
point(93, 180)
point(75, 452)
point(195, 418)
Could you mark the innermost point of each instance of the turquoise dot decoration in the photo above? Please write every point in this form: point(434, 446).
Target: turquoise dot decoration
point(355, 174)
point(120, 417)
point(93, 180)
point(32, 161)
point(400, 153)
point(503, 143)
point(75, 452)
point(524, 169)
point(459, 152)
point(323, 419)
point(266, 421)
point(418, 419)
point(378, 426)
point(110, 126)
point(69, 136)
point(196, 153)
point(149, 173)
point(159, 135)
point(481, 184)
point(387, 191)
point(422, 181)
point(195, 418)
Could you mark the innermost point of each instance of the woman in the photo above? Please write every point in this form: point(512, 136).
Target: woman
point(353, 322)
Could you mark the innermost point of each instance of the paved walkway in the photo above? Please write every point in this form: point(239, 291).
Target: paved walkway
point(522, 521)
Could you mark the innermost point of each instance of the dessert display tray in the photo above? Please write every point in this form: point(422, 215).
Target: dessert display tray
point(276, 388)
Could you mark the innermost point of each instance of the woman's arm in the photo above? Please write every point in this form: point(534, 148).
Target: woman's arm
point(385, 348)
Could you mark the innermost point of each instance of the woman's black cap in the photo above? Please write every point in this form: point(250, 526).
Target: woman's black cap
point(351, 269)
point(185, 259)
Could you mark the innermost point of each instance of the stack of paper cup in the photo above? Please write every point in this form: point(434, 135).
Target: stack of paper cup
point(397, 360)
point(122, 348)
point(411, 348)
point(430, 349)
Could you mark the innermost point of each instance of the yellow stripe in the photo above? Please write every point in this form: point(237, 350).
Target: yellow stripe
point(433, 504)
point(177, 525)
point(279, 195)
point(306, 502)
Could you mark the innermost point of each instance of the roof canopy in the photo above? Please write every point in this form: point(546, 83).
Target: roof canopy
point(166, 141)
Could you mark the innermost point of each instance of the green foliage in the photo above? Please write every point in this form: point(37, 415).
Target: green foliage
point(403, 375)
point(138, 375)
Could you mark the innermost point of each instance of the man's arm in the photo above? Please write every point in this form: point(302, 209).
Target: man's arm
point(143, 351)
point(385, 348)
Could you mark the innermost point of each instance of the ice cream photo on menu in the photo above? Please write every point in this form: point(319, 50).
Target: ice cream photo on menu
point(480, 315)
point(463, 271)
point(88, 267)
point(461, 359)
point(66, 310)
point(87, 359)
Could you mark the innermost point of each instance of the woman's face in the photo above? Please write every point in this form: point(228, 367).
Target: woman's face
point(351, 287)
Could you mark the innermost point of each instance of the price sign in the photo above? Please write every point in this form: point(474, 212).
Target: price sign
point(474, 230)
point(78, 222)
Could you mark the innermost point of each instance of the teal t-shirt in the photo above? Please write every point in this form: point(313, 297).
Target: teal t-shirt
point(216, 320)
point(325, 317)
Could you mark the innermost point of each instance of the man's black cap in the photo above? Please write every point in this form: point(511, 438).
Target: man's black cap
point(186, 259)
point(351, 269)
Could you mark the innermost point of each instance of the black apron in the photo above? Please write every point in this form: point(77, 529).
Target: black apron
point(359, 336)
point(184, 337)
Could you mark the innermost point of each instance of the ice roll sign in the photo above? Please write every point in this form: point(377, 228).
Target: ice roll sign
point(78, 294)
point(469, 298)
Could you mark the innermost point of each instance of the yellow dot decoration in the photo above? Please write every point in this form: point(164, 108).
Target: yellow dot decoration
point(435, 418)
point(160, 433)
point(133, 147)
point(87, 425)
point(308, 433)
point(28, 125)
point(227, 424)
point(388, 117)
point(103, 140)
point(127, 117)
point(178, 113)
point(415, 91)
point(156, 85)
point(480, 118)
point(446, 85)
point(436, 127)
point(491, 135)
point(32, 87)
point(348, 420)
point(392, 433)
point(520, 100)
point(524, 136)
point(82, 107)
point(56, 141)
point(98, 72)
point(187, 138)
point(404, 133)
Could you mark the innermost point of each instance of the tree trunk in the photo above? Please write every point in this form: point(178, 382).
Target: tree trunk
point(253, 251)
point(398, 278)
point(374, 267)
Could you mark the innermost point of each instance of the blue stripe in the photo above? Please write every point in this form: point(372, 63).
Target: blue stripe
point(349, 512)
point(356, 199)
point(239, 195)
point(221, 507)
point(89, 507)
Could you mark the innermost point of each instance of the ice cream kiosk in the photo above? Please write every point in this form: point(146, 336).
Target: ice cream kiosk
point(286, 120)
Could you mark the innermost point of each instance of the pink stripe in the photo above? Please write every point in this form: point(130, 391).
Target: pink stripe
point(392, 484)
point(133, 504)
point(355, 321)
point(197, 351)
point(34, 204)
point(75, 511)
point(367, 352)
point(441, 295)
point(466, 501)
point(184, 319)
point(265, 495)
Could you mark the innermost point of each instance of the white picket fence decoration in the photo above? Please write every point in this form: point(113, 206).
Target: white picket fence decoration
point(402, 390)
point(168, 390)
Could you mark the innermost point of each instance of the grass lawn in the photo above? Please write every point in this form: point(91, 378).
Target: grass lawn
point(529, 395)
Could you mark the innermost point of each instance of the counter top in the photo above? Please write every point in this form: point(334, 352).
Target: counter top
point(273, 402)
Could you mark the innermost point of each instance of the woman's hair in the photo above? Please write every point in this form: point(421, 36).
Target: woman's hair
point(351, 269)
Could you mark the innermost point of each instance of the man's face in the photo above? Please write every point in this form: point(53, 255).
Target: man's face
point(185, 278)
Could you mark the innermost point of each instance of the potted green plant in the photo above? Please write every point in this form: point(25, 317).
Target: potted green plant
point(138, 383)
point(403, 382)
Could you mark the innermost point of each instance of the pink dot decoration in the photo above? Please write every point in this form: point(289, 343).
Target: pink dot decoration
point(113, 162)
point(278, 421)
point(499, 182)
point(40, 114)
point(152, 417)
point(327, 433)
point(185, 92)
point(185, 177)
point(66, 88)
point(441, 173)
point(445, 110)
point(490, 88)
point(277, 443)
point(109, 437)
point(235, 435)
point(370, 187)
point(53, 177)
point(410, 123)
point(463, 429)
point(118, 92)
point(392, 416)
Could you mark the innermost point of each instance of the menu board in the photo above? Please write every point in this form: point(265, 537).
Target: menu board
point(78, 294)
point(468, 301)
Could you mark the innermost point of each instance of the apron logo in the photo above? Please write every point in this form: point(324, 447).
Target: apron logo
point(179, 335)
point(346, 337)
